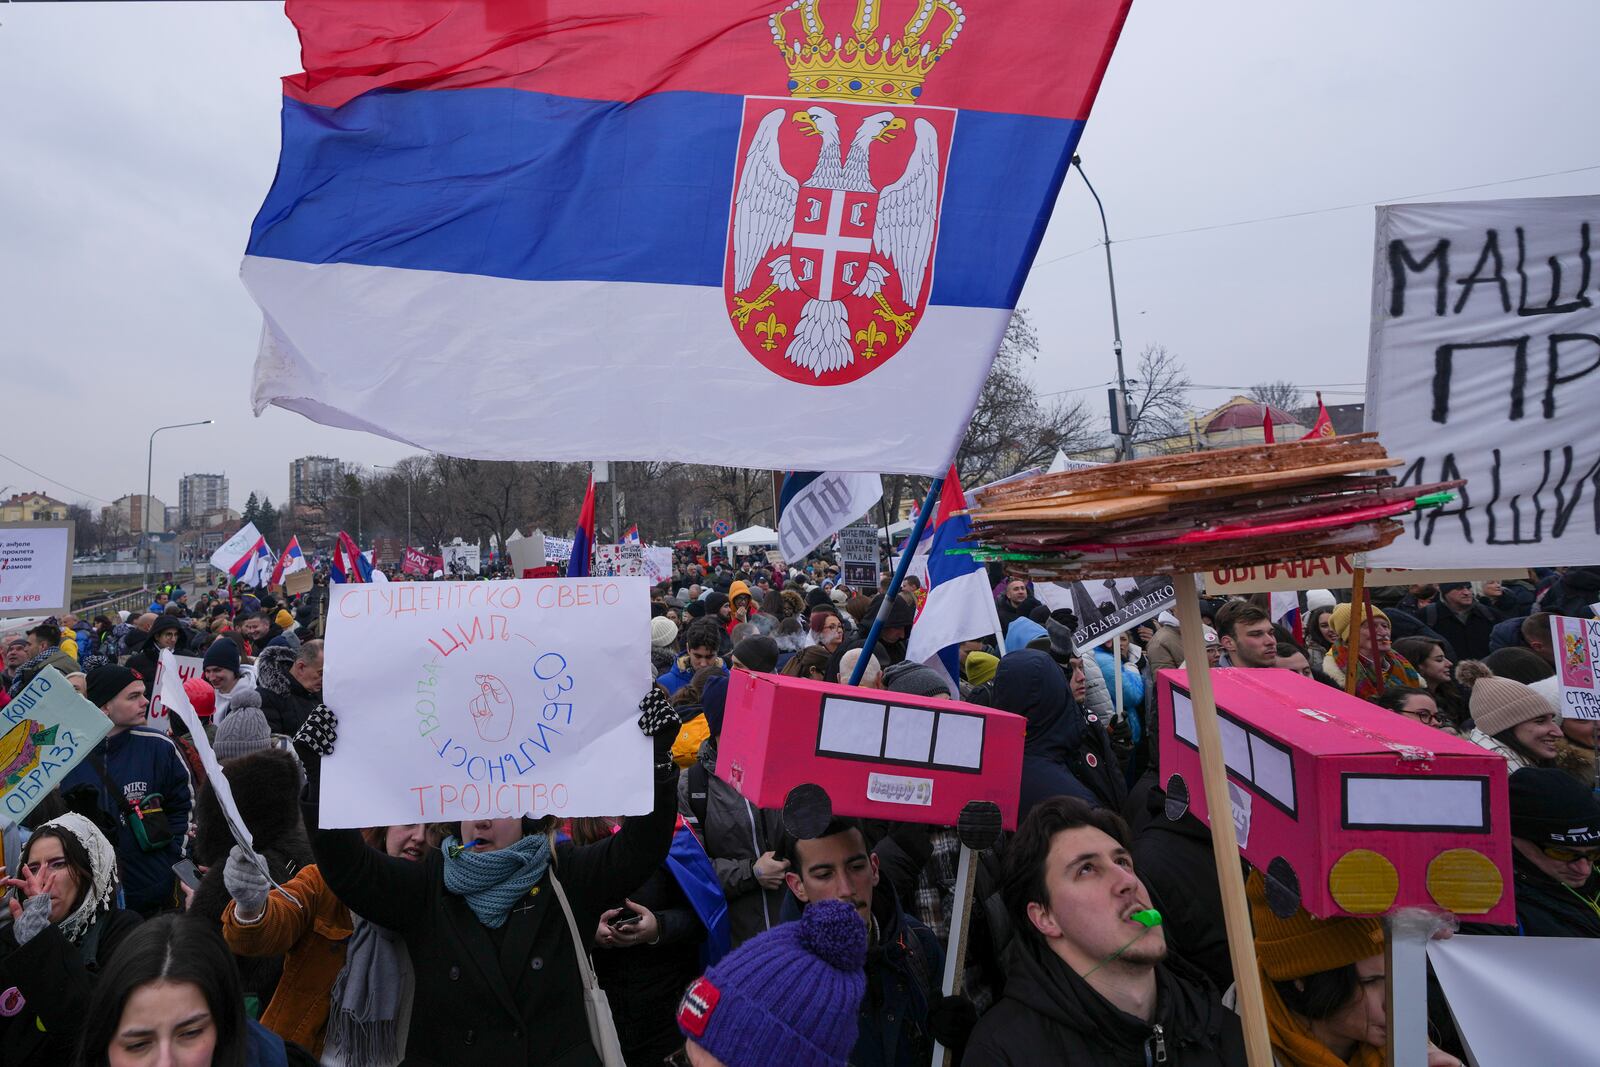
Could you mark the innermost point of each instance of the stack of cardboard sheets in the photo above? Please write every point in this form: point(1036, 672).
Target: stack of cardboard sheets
point(1200, 510)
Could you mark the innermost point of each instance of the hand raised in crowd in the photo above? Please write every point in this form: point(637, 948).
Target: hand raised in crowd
point(769, 870)
point(246, 884)
point(31, 916)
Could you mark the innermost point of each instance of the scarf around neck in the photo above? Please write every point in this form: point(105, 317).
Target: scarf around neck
point(363, 1025)
point(97, 896)
point(1293, 1044)
point(1371, 680)
point(493, 882)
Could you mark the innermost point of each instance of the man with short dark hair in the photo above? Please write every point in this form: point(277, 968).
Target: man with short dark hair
point(43, 649)
point(1248, 639)
point(1462, 619)
point(1536, 635)
point(1291, 658)
point(904, 961)
point(1090, 980)
point(701, 641)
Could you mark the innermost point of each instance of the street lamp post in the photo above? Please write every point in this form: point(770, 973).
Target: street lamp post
point(1126, 447)
point(144, 510)
point(407, 473)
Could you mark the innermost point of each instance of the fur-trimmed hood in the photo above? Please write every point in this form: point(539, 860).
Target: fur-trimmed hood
point(266, 786)
point(272, 670)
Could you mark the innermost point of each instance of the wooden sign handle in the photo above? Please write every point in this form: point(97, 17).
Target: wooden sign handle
point(1224, 845)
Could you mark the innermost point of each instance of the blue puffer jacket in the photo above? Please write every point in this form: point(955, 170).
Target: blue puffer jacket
point(142, 763)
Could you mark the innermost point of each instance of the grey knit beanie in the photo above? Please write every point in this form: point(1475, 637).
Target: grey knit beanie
point(241, 732)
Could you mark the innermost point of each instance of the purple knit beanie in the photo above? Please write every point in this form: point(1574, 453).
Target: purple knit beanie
point(796, 987)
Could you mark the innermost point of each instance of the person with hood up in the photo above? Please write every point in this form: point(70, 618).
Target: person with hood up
point(138, 781)
point(741, 839)
point(741, 603)
point(1090, 984)
point(1064, 753)
point(1515, 723)
point(290, 684)
point(486, 920)
point(891, 646)
point(62, 930)
point(1164, 649)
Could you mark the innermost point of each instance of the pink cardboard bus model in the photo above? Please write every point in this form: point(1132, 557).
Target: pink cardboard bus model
point(878, 754)
point(1352, 807)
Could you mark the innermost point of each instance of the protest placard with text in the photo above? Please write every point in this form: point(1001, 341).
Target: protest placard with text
point(45, 731)
point(1576, 643)
point(35, 568)
point(858, 556)
point(477, 700)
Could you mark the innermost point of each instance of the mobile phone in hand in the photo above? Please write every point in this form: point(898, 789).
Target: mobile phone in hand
point(627, 917)
point(187, 873)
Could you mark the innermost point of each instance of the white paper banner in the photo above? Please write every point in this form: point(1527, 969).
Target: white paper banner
point(1520, 1000)
point(187, 667)
point(35, 568)
point(1485, 344)
point(1577, 650)
point(487, 700)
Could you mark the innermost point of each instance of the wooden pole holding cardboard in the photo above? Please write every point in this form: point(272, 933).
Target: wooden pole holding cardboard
point(1224, 845)
point(1358, 584)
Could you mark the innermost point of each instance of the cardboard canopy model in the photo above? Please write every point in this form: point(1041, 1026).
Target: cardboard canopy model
point(878, 754)
point(1346, 807)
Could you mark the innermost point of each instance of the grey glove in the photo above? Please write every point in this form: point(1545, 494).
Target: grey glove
point(246, 884)
point(34, 918)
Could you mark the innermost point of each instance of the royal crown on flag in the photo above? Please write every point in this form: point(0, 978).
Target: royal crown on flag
point(860, 63)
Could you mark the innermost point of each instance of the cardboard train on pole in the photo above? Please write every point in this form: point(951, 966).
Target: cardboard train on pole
point(877, 754)
point(1346, 808)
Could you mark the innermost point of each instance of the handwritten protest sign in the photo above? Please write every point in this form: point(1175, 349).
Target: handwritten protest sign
point(478, 700)
point(187, 667)
point(48, 729)
point(1485, 347)
point(619, 561)
point(1336, 572)
point(35, 568)
point(1577, 649)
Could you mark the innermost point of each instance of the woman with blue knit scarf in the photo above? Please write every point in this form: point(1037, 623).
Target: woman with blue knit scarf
point(497, 977)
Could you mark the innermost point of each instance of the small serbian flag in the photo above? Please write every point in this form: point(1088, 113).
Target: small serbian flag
point(1323, 426)
point(583, 537)
point(291, 561)
point(245, 556)
point(349, 565)
point(632, 536)
point(959, 605)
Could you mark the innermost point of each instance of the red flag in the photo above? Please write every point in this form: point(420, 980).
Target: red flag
point(1266, 425)
point(583, 536)
point(1323, 426)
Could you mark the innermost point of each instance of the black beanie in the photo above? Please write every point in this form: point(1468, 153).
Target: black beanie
point(165, 622)
point(1550, 807)
point(104, 683)
point(222, 653)
point(759, 654)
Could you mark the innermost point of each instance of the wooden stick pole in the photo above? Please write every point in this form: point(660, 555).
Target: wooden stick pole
point(955, 959)
point(1224, 845)
point(1358, 589)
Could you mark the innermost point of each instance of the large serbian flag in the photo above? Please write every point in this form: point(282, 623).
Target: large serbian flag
point(519, 230)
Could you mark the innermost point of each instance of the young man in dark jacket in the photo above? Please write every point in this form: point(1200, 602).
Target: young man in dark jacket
point(136, 767)
point(904, 961)
point(1089, 983)
point(1555, 842)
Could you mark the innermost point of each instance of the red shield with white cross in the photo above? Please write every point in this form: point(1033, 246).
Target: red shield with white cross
point(833, 232)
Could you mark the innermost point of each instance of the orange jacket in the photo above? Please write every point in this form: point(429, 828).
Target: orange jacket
point(312, 939)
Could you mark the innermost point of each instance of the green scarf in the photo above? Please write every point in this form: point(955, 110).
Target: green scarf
point(493, 882)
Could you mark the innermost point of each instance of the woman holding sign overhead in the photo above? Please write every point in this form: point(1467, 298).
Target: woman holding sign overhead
point(488, 919)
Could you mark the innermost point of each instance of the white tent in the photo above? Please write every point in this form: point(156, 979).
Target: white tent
point(750, 536)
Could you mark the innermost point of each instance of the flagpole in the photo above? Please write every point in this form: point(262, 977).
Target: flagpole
point(928, 504)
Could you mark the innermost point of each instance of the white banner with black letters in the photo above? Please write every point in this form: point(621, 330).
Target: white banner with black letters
point(1485, 348)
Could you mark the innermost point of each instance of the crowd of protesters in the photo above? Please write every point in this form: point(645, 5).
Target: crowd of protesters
point(141, 933)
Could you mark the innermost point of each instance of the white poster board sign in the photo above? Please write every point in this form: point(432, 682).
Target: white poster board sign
point(1485, 347)
point(619, 561)
point(1504, 993)
point(858, 556)
point(187, 667)
point(487, 700)
point(1577, 650)
point(35, 568)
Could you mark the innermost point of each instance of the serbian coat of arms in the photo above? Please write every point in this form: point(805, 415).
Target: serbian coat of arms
point(837, 193)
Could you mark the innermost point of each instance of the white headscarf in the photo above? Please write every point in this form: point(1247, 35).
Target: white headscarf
point(102, 873)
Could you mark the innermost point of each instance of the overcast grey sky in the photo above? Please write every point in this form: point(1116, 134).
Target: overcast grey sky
point(137, 141)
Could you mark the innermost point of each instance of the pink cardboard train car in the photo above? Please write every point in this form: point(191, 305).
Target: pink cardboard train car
point(877, 754)
point(1356, 809)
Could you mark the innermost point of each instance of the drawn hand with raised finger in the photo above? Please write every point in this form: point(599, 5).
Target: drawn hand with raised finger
point(493, 712)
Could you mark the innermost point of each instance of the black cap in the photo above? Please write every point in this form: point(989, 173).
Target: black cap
point(759, 654)
point(104, 683)
point(1550, 807)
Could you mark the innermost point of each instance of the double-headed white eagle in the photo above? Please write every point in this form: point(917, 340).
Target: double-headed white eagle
point(764, 215)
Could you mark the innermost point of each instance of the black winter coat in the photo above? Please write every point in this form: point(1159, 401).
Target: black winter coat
point(1067, 752)
point(54, 983)
point(509, 996)
point(1177, 866)
point(1548, 908)
point(285, 702)
point(266, 786)
point(1049, 1017)
point(1469, 637)
point(644, 983)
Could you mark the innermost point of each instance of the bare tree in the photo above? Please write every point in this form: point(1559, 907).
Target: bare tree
point(742, 495)
point(1159, 395)
point(1286, 396)
point(1012, 428)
